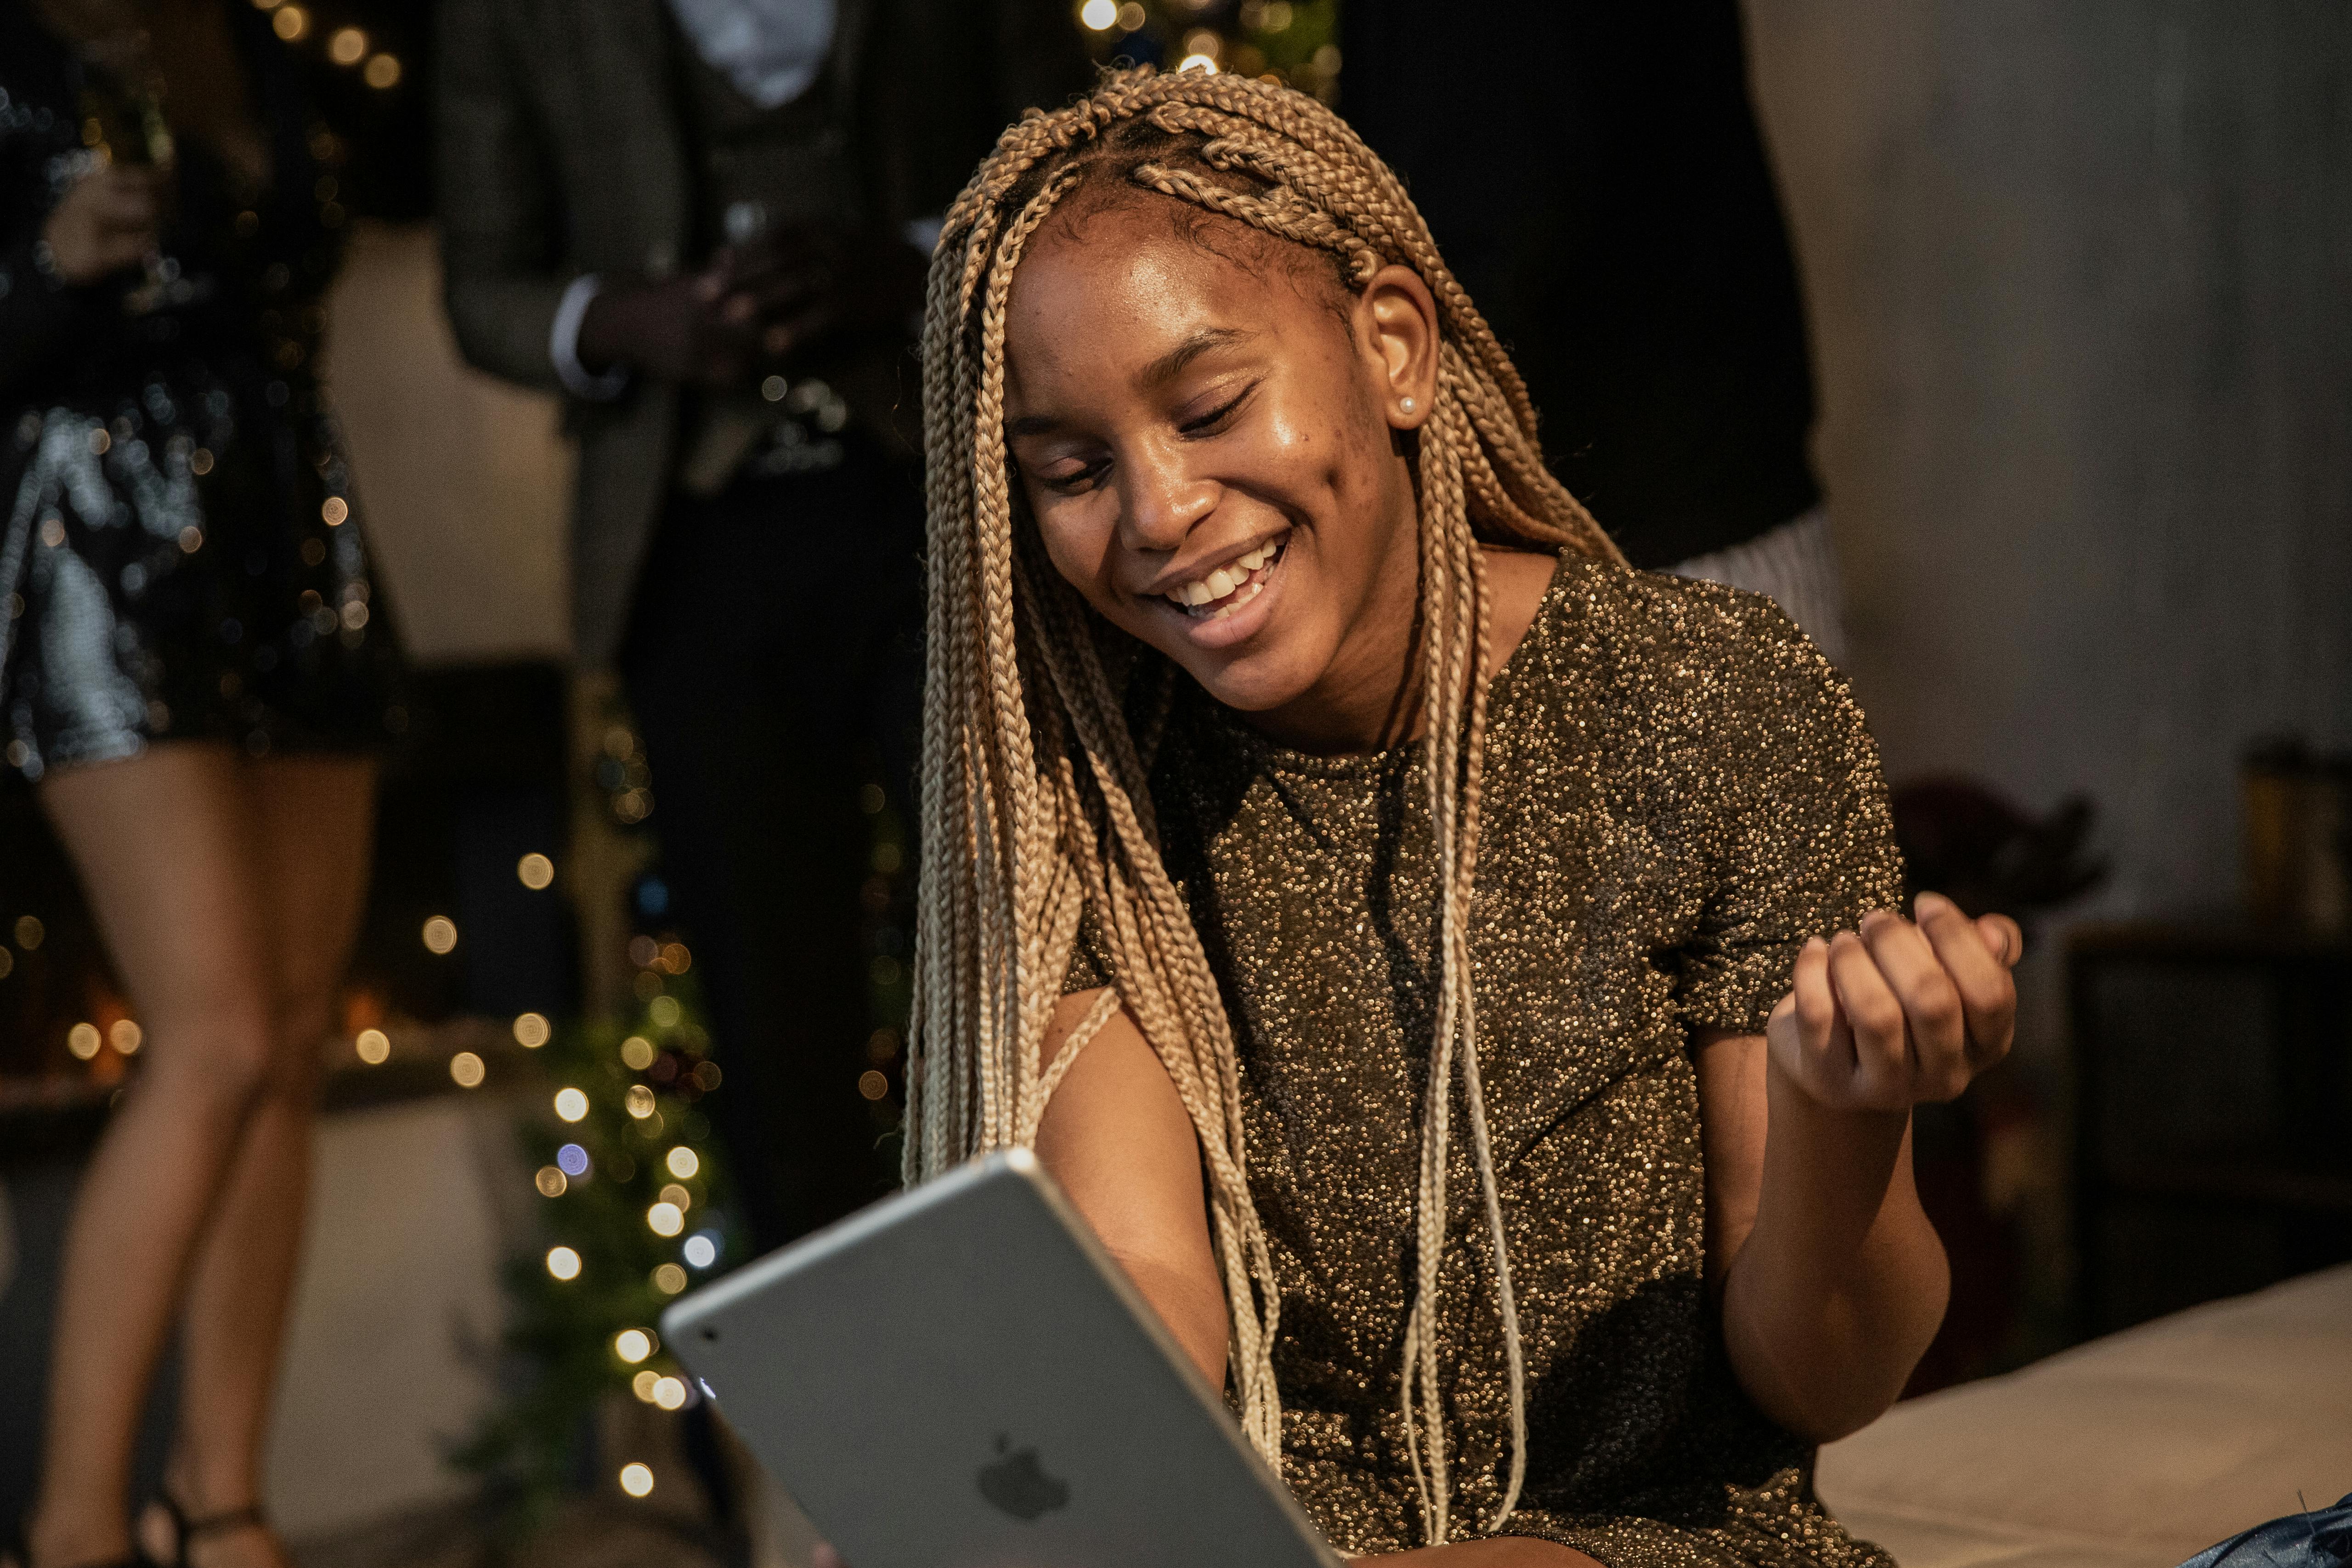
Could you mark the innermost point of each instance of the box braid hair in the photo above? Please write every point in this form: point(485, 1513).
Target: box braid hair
point(1041, 722)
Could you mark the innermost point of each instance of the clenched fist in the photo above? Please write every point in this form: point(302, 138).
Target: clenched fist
point(1899, 1014)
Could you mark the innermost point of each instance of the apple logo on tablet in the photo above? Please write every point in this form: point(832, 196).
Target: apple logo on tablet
point(1018, 1485)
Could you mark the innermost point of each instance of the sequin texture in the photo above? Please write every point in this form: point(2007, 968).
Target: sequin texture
point(1679, 791)
point(180, 555)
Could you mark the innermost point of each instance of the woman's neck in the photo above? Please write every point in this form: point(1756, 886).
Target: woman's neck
point(1372, 697)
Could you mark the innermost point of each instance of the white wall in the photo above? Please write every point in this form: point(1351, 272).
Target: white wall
point(2080, 274)
point(464, 484)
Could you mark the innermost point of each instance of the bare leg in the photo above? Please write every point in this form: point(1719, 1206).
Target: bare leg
point(166, 846)
point(314, 815)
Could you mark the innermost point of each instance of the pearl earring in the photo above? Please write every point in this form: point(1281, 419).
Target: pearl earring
point(1406, 405)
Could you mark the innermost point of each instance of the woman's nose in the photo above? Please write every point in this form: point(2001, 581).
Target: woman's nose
point(1161, 502)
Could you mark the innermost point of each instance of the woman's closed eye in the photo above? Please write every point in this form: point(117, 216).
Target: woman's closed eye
point(1076, 475)
point(1215, 420)
point(1071, 476)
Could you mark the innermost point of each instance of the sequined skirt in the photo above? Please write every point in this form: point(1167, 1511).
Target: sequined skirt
point(182, 562)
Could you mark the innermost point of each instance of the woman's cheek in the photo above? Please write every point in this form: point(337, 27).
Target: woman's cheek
point(1078, 532)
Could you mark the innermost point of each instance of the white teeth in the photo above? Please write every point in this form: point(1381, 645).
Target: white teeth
point(1244, 598)
point(1225, 580)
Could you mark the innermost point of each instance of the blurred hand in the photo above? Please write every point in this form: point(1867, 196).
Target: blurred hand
point(1897, 1015)
point(754, 309)
point(107, 222)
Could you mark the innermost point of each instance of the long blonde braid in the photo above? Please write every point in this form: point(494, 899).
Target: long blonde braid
point(1040, 721)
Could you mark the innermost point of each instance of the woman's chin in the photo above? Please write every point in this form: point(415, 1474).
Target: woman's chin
point(1258, 681)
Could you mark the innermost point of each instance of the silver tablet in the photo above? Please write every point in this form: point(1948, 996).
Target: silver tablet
point(960, 1377)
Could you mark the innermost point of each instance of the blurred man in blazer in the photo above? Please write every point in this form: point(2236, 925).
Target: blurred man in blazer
point(706, 224)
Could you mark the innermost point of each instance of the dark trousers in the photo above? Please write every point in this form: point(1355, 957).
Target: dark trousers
point(773, 655)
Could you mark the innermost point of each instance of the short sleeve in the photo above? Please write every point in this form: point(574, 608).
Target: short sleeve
point(1801, 834)
point(1090, 966)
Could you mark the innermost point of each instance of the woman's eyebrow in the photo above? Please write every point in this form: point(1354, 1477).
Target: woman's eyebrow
point(1159, 373)
point(1170, 365)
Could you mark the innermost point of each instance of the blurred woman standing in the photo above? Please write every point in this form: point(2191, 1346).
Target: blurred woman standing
point(192, 676)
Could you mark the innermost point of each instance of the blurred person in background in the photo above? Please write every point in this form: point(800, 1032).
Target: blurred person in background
point(704, 224)
point(1631, 253)
point(193, 677)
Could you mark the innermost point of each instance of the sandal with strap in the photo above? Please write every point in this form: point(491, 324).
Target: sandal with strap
point(187, 1531)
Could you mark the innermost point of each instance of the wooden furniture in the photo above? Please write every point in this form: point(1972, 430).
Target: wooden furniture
point(2212, 1124)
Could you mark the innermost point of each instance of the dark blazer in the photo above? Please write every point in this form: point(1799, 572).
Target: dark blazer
point(562, 152)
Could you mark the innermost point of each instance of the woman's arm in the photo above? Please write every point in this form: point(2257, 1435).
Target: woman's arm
point(1832, 1280)
point(103, 225)
point(1118, 1138)
point(1119, 1142)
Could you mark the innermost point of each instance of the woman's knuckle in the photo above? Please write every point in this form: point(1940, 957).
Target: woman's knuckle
point(1937, 1005)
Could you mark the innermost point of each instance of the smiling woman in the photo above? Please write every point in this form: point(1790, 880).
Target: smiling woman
point(1307, 777)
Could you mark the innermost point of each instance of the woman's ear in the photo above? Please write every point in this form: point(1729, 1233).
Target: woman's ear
point(1396, 327)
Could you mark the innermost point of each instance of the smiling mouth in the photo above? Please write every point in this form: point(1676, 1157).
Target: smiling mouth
point(1230, 586)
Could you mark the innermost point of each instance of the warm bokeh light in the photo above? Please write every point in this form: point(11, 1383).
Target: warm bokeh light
point(665, 1219)
point(467, 1070)
point(676, 958)
point(126, 1037)
point(290, 22)
point(642, 1386)
point(382, 71)
point(872, 1085)
point(535, 871)
point(83, 1040)
point(531, 1030)
point(671, 1393)
point(29, 932)
point(347, 47)
point(678, 1197)
point(669, 1279)
point(1198, 63)
point(663, 1011)
point(440, 934)
point(550, 1182)
point(571, 1104)
point(638, 1101)
point(1131, 17)
point(1100, 16)
point(373, 1046)
point(562, 1262)
point(637, 1053)
point(683, 1163)
point(334, 509)
point(632, 1345)
point(637, 1480)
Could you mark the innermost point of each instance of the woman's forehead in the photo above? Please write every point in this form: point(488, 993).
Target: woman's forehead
point(1127, 283)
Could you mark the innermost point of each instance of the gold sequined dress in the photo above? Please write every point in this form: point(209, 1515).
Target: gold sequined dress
point(1679, 791)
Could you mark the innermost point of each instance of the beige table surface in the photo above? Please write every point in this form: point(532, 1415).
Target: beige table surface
point(2135, 1451)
